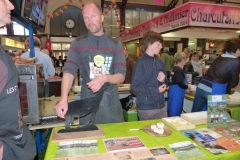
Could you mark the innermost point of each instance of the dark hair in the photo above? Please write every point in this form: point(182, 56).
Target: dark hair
point(96, 4)
point(231, 45)
point(149, 38)
point(37, 42)
point(193, 54)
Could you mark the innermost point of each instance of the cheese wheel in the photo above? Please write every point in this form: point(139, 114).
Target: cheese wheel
point(153, 126)
point(160, 125)
point(158, 131)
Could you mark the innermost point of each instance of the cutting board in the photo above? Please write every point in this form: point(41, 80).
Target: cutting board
point(74, 136)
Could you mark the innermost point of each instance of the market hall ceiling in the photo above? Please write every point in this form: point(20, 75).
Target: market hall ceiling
point(149, 5)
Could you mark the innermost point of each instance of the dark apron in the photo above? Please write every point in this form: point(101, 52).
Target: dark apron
point(216, 89)
point(175, 99)
point(110, 110)
point(17, 140)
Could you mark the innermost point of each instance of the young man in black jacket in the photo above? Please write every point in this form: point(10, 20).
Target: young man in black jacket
point(149, 80)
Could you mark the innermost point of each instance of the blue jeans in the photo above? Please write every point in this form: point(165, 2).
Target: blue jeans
point(200, 100)
point(46, 88)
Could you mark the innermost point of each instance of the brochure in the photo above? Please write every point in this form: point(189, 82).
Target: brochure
point(187, 151)
point(217, 112)
point(212, 141)
point(73, 148)
point(156, 153)
point(234, 127)
point(123, 143)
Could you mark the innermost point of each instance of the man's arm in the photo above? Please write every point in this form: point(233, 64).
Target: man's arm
point(118, 76)
point(97, 83)
point(62, 107)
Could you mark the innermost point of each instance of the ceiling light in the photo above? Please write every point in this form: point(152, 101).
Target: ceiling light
point(191, 43)
point(238, 31)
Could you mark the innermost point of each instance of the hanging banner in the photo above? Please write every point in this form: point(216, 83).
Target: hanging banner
point(213, 15)
point(167, 21)
point(188, 14)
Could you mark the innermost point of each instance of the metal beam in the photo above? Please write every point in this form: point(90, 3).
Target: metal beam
point(102, 4)
point(172, 4)
point(122, 12)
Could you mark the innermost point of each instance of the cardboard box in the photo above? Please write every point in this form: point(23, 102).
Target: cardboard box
point(195, 118)
point(130, 115)
point(178, 123)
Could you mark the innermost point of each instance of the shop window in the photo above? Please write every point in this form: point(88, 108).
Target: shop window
point(155, 14)
point(132, 18)
point(3, 31)
point(135, 18)
point(18, 29)
point(56, 46)
point(110, 23)
point(65, 46)
point(26, 32)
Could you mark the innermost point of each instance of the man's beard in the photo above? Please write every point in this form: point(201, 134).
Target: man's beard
point(95, 30)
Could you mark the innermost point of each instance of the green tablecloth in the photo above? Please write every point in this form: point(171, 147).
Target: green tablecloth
point(122, 130)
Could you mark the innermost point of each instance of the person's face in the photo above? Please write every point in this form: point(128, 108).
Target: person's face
point(238, 52)
point(187, 52)
point(5, 11)
point(184, 61)
point(195, 58)
point(155, 47)
point(93, 19)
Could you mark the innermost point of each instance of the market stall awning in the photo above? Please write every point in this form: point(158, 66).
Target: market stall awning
point(191, 14)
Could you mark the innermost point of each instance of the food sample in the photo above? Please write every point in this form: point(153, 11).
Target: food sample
point(153, 126)
point(158, 130)
point(160, 125)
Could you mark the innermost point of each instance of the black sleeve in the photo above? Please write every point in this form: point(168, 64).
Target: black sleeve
point(188, 68)
point(234, 80)
point(179, 78)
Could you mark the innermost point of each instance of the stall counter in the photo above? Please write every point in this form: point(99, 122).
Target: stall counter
point(122, 130)
point(234, 110)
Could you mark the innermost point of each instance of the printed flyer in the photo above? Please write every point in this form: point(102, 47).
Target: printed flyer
point(187, 151)
point(123, 143)
point(212, 141)
point(156, 153)
point(73, 148)
point(217, 111)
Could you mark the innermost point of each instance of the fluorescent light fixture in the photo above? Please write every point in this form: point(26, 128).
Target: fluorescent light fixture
point(191, 43)
point(238, 31)
point(117, 26)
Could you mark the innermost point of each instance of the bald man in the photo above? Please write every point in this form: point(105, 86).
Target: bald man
point(100, 59)
point(16, 141)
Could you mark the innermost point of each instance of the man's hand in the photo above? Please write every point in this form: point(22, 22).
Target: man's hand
point(162, 88)
point(161, 76)
point(61, 108)
point(97, 83)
